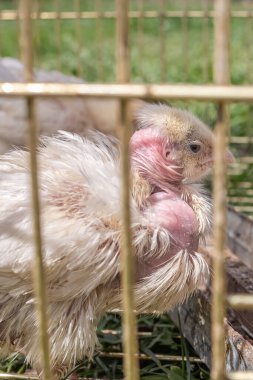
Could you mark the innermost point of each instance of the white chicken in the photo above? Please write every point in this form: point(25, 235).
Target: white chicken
point(79, 186)
point(73, 114)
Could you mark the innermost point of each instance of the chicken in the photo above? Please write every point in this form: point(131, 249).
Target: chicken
point(80, 210)
point(75, 114)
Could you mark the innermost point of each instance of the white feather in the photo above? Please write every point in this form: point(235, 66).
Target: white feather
point(79, 186)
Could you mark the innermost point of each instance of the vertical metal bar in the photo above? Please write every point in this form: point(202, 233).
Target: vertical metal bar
point(1, 32)
point(205, 40)
point(38, 272)
point(141, 37)
point(37, 7)
point(248, 47)
point(78, 38)
point(17, 24)
point(100, 42)
point(248, 41)
point(131, 368)
point(206, 50)
point(184, 25)
point(58, 33)
point(221, 76)
point(162, 42)
point(122, 46)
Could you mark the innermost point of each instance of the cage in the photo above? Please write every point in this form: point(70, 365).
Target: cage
point(153, 50)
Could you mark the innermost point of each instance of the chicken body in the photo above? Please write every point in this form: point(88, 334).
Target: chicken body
point(79, 185)
point(73, 114)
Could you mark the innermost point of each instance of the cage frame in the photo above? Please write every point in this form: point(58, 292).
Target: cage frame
point(221, 92)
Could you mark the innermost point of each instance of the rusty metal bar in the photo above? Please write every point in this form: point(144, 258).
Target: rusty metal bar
point(221, 77)
point(206, 93)
point(38, 272)
point(130, 342)
point(71, 15)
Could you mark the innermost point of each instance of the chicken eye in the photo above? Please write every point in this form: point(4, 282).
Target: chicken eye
point(195, 148)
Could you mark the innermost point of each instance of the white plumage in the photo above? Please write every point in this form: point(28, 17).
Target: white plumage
point(79, 186)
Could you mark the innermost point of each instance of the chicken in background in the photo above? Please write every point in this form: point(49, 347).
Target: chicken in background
point(79, 178)
point(73, 114)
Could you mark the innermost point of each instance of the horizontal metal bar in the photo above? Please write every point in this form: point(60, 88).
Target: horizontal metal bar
point(245, 185)
point(246, 160)
point(241, 200)
point(240, 376)
point(244, 209)
point(241, 302)
point(169, 358)
point(10, 15)
point(17, 376)
point(153, 91)
point(241, 139)
point(139, 333)
point(24, 377)
point(234, 191)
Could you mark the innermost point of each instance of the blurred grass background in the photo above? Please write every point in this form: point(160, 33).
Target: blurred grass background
point(186, 60)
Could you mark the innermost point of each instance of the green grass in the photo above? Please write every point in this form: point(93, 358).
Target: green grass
point(162, 337)
point(145, 54)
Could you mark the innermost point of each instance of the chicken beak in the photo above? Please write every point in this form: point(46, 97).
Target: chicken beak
point(229, 157)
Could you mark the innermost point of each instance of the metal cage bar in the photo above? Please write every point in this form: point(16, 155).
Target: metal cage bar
point(205, 93)
point(185, 39)
point(248, 48)
point(241, 301)
point(205, 4)
point(248, 40)
point(163, 65)
point(130, 342)
point(36, 32)
point(10, 15)
point(38, 270)
point(100, 41)
point(140, 35)
point(221, 77)
point(78, 38)
point(240, 376)
point(58, 32)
